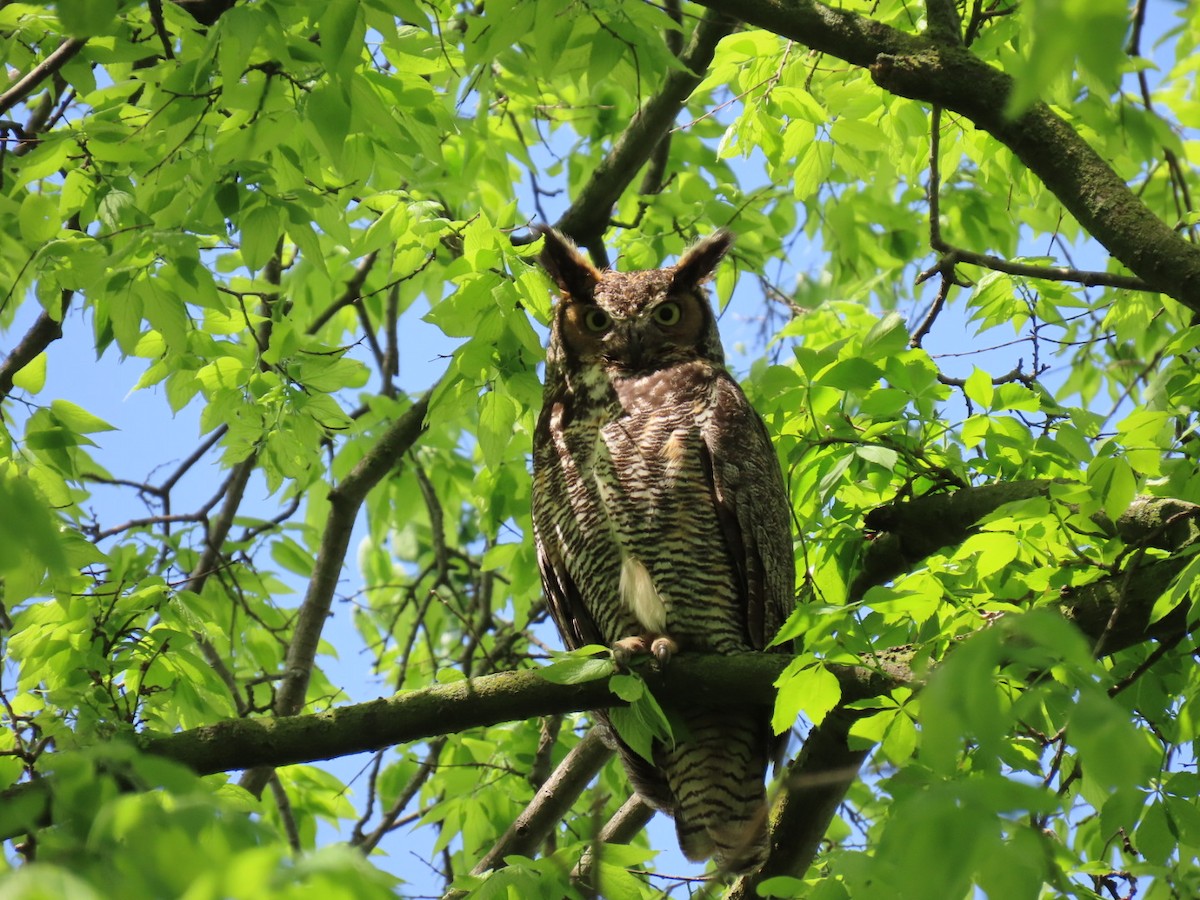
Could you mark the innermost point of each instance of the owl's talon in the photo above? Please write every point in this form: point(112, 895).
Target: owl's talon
point(663, 649)
point(625, 649)
point(659, 646)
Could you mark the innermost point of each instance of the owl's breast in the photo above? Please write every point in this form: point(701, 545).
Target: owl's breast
point(636, 517)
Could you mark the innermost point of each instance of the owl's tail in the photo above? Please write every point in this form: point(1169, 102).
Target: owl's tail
point(715, 773)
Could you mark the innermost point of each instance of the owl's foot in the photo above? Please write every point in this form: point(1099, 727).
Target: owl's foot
point(663, 649)
point(660, 646)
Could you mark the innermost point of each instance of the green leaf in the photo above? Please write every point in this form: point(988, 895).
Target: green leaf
point(38, 218)
point(1054, 50)
point(857, 135)
point(260, 228)
point(813, 168)
point(117, 209)
point(886, 338)
point(1111, 478)
point(576, 671)
point(327, 117)
point(1156, 839)
point(804, 687)
point(853, 374)
point(780, 886)
point(47, 880)
point(84, 18)
point(77, 418)
point(642, 722)
point(1113, 753)
point(339, 47)
point(628, 687)
point(881, 456)
point(497, 415)
point(1182, 588)
point(292, 557)
point(29, 535)
point(978, 387)
point(1016, 868)
point(992, 551)
point(961, 703)
point(32, 376)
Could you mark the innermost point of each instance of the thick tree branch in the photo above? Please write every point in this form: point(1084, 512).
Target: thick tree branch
point(626, 823)
point(549, 806)
point(345, 500)
point(45, 330)
point(586, 219)
point(911, 530)
point(474, 703)
point(61, 55)
point(263, 743)
point(949, 75)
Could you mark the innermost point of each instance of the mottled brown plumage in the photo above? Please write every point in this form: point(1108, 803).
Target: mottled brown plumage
point(662, 521)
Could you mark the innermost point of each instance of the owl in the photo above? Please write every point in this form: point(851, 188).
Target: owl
point(662, 522)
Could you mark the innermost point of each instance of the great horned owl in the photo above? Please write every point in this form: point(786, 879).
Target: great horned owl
point(661, 520)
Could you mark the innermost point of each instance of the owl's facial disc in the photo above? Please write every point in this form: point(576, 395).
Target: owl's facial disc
point(661, 334)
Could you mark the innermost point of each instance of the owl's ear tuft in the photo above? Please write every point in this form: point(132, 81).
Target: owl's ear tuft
point(698, 263)
point(571, 270)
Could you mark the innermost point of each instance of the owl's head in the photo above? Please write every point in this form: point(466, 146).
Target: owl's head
point(633, 323)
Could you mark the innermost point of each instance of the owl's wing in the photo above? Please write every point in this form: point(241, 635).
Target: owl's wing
point(753, 509)
point(574, 622)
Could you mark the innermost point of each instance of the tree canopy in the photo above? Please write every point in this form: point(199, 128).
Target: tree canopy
point(289, 245)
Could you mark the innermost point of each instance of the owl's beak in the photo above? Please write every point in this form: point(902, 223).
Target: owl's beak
point(632, 351)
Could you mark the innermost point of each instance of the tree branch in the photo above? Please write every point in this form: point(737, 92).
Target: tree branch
point(345, 500)
point(586, 219)
point(351, 293)
point(44, 331)
point(549, 806)
point(909, 531)
point(950, 76)
point(815, 785)
point(625, 824)
point(58, 58)
point(262, 743)
point(952, 255)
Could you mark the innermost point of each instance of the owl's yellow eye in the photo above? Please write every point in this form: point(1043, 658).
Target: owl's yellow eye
point(597, 320)
point(667, 314)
